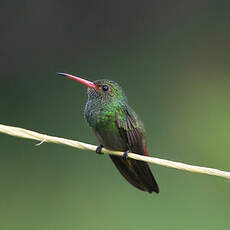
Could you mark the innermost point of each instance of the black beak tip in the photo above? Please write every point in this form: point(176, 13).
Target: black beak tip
point(62, 74)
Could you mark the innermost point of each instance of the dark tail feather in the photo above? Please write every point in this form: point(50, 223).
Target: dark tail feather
point(136, 173)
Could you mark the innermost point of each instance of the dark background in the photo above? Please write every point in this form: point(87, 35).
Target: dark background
point(172, 59)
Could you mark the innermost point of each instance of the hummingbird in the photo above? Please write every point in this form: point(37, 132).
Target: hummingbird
point(117, 127)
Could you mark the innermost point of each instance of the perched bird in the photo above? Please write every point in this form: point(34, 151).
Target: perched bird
point(117, 127)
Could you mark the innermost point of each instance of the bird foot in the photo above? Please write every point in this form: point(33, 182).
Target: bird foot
point(125, 155)
point(99, 148)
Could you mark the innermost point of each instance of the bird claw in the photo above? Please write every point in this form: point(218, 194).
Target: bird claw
point(125, 155)
point(99, 148)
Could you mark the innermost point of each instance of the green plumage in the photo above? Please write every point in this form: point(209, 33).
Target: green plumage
point(117, 127)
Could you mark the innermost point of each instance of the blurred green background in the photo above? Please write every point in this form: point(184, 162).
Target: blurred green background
point(171, 58)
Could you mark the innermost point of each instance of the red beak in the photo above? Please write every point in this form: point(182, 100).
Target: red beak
point(85, 82)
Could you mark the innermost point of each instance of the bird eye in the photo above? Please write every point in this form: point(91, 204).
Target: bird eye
point(105, 88)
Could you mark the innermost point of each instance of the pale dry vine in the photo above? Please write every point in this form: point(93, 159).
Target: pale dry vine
point(24, 133)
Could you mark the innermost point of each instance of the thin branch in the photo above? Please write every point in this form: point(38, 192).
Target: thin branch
point(24, 133)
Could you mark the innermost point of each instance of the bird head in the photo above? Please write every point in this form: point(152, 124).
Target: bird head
point(103, 91)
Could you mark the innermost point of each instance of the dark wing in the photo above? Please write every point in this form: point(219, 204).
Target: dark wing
point(132, 132)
